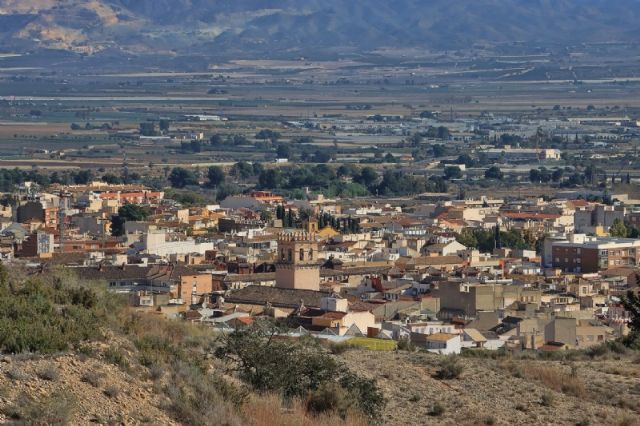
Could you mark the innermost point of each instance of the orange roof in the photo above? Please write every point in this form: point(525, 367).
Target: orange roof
point(440, 337)
point(245, 320)
point(332, 315)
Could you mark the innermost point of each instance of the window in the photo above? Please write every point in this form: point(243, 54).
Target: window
point(290, 255)
point(301, 254)
point(310, 254)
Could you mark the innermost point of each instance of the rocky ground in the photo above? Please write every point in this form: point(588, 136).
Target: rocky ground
point(504, 392)
point(73, 389)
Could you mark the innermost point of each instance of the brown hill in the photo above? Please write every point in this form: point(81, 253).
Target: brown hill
point(505, 391)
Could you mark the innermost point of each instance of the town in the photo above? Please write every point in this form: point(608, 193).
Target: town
point(319, 213)
point(485, 273)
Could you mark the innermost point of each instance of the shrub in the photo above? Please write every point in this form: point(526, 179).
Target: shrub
point(340, 348)
point(111, 391)
point(199, 399)
point(555, 379)
point(92, 377)
point(293, 369)
point(596, 351)
point(49, 373)
point(55, 409)
point(15, 374)
point(48, 313)
point(117, 357)
point(329, 397)
point(547, 399)
point(436, 410)
point(450, 368)
point(156, 372)
point(405, 344)
point(489, 420)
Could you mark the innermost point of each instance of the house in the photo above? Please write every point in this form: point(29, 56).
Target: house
point(472, 338)
point(444, 343)
point(451, 248)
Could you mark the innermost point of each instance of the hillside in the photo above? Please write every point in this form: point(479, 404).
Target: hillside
point(601, 390)
point(255, 27)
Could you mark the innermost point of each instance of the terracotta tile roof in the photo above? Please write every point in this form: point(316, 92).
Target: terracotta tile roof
point(440, 337)
point(332, 315)
point(278, 297)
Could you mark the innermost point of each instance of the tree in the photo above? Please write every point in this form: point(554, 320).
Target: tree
point(590, 173)
point(295, 369)
point(268, 134)
point(368, 177)
point(216, 140)
point(556, 176)
point(494, 172)
point(466, 159)
point(443, 133)
point(283, 151)
point(452, 172)
point(128, 212)
point(266, 216)
point(164, 125)
point(467, 238)
point(216, 176)
point(534, 175)
point(148, 128)
point(631, 304)
point(618, 229)
point(83, 177)
point(290, 221)
point(180, 177)
point(438, 150)
point(321, 156)
point(111, 179)
point(270, 179)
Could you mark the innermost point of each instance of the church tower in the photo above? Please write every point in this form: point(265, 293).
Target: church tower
point(297, 266)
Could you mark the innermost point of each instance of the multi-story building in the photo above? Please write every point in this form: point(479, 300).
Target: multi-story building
point(592, 254)
point(589, 218)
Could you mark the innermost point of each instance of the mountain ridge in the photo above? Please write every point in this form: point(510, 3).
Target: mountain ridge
point(267, 26)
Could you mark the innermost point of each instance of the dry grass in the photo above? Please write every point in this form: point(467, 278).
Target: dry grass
point(554, 378)
point(269, 410)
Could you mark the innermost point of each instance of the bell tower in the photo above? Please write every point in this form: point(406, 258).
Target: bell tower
point(297, 266)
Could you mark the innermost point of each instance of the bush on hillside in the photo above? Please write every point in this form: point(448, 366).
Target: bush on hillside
point(47, 313)
point(450, 368)
point(297, 369)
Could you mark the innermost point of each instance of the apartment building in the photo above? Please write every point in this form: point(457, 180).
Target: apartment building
point(584, 254)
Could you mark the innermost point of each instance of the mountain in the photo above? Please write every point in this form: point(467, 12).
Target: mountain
point(311, 27)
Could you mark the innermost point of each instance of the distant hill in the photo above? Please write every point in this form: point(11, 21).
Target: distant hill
point(265, 27)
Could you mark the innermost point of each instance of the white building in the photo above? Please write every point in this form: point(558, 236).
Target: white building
point(444, 343)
